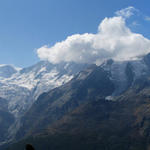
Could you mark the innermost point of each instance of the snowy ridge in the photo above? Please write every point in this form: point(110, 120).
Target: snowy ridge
point(22, 87)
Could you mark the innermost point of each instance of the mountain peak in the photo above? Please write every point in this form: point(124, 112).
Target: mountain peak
point(7, 71)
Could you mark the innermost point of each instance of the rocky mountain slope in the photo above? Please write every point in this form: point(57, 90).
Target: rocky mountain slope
point(107, 102)
point(99, 124)
point(50, 107)
point(103, 107)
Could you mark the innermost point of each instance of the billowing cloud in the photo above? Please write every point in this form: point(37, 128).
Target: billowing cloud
point(113, 40)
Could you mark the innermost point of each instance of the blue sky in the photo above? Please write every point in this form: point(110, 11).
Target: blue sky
point(26, 25)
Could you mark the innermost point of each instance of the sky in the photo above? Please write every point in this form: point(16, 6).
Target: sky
point(80, 30)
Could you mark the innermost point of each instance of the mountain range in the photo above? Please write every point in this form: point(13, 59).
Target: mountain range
point(21, 87)
point(83, 107)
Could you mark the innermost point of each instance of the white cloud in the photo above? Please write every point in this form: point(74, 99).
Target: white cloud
point(113, 40)
point(127, 12)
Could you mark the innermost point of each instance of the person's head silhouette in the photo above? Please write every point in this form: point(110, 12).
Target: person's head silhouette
point(29, 147)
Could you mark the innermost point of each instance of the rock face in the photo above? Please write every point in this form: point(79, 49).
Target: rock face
point(6, 118)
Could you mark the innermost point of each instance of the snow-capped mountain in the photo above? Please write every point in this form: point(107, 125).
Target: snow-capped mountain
point(93, 84)
point(21, 87)
point(125, 73)
point(110, 79)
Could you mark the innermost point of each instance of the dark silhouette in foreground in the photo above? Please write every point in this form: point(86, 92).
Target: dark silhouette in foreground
point(29, 147)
